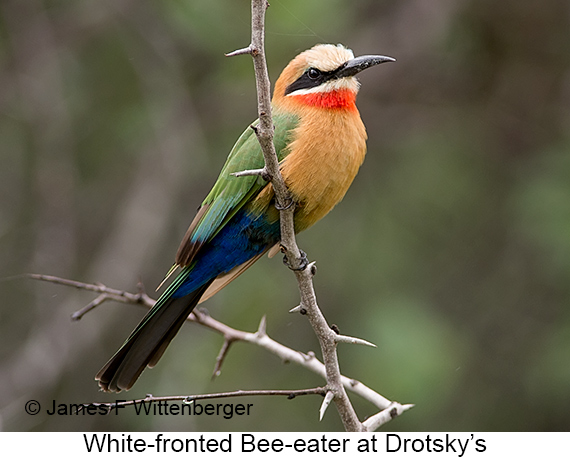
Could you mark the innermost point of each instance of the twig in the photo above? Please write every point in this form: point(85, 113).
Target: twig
point(222, 356)
point(290, 394)
point(379, 419)
point(106, 293)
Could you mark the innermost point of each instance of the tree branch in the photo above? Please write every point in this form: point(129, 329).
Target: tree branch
point(296, 260)
point(259, 338)
point(290, 394)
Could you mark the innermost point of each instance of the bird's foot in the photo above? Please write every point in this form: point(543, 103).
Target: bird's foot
point(304, 262)
point(288, 203)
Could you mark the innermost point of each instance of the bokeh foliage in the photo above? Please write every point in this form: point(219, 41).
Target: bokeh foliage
point(451, 251)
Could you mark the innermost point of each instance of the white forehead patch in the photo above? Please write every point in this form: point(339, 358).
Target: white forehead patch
point(327, 57)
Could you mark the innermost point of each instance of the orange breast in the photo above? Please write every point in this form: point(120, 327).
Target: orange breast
point(326, 154)
point(327, 150)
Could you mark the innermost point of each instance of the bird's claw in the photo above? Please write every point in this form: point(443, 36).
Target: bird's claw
point(289, 202)
point(304, 262)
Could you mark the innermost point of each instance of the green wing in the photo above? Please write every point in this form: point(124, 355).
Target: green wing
point(230, 193)
point(150, 338)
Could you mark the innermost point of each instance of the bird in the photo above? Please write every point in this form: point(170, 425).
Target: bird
point(320, 142)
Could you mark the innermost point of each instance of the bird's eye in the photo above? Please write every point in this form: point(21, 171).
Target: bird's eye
point(313, 73)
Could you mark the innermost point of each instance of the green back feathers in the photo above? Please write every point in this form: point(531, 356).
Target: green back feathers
point(231, 193)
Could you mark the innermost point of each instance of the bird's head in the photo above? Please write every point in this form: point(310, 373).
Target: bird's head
point(323, 76)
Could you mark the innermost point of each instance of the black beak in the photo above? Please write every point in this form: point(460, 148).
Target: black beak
point(356, 65)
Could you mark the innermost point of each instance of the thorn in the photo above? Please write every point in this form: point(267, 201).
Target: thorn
point(255, 172)
point(298, 309)
point(239, 52)
point(353, 340)
point(326, 402)
point(262, 328)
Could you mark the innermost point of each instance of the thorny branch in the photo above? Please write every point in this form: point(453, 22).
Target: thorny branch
point(296, 259)
point(389, 409)
point(188, 399)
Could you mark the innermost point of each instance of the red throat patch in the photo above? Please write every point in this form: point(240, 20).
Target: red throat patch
point(336, 99)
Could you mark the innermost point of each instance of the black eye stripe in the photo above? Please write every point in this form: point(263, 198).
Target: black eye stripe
point(312, 77)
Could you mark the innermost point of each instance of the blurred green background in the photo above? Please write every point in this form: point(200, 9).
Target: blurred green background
point(451, 251)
